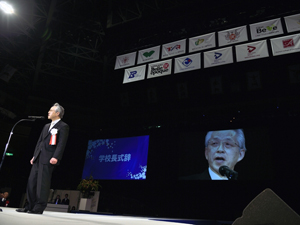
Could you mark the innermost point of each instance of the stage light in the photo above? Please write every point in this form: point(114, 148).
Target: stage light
point(7, 8)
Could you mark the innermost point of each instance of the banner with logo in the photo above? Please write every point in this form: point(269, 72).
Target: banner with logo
point(292, 23)
point(202, 42)
point(134, 74)
point(187, 63)
point(148, 55)
point(286, 45)
point(251, 51)
point(159, 69)
point(232, 36)
point(173, 49)
point(218, 57)
point(126, 60)
point(266, 29)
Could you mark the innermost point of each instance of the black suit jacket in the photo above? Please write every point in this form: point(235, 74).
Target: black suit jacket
point(2, 203)
point(46, 151)
point(59, 201)
point(65, 201)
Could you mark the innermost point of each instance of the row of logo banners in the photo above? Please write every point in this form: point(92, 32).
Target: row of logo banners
point(244, 52)
point(203, 42)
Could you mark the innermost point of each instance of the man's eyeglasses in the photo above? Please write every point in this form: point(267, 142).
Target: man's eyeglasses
point(227, 144)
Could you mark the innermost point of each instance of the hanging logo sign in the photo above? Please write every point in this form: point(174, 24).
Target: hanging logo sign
point(159, 69)
point(187, 63)
point(173, 49)
point(292, 23)
point(134, 74)
point(218, 57)
point(148, 55)
point(232, 36)
point(251, 51)
point(286, 45)
point(266, 29)
point(202, 42)
point(126, 60)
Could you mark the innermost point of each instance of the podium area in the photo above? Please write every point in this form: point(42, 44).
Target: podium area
point(74, 198)
point(57, 207)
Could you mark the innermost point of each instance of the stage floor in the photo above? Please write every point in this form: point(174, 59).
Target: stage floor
point(9, 216)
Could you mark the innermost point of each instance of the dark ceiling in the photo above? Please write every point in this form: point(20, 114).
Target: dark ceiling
point(64, 51)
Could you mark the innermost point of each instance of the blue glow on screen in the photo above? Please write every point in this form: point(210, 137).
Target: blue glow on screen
point(117, 158)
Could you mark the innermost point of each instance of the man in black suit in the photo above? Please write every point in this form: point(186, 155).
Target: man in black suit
point(47, 155)
point(65, 201)
point(222, 148)
point(57, 200)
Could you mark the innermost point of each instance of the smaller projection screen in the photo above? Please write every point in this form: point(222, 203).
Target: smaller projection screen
point(205, 151)
point(117, 158)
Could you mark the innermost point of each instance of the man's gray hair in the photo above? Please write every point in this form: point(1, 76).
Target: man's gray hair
point(240, 138)
point(59, 109)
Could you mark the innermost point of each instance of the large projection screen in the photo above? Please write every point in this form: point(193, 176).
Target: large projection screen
point(117, 158)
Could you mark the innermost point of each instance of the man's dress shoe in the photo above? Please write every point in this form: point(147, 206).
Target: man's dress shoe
point(24, 210)
point(35, 212)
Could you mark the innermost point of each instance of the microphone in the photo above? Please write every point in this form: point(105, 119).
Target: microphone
point(36, 117)
point(230, 174)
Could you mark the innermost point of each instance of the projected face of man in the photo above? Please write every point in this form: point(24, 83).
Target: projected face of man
point(223, 150)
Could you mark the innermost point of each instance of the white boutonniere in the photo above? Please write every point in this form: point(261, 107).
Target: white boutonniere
point(53, 136)
point(53, 131)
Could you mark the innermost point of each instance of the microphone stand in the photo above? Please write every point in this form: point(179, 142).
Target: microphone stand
point(6, 147)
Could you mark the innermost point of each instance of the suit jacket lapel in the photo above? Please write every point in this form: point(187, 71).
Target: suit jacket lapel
point(56, 125)
point(47, 126)
point(46, 130)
